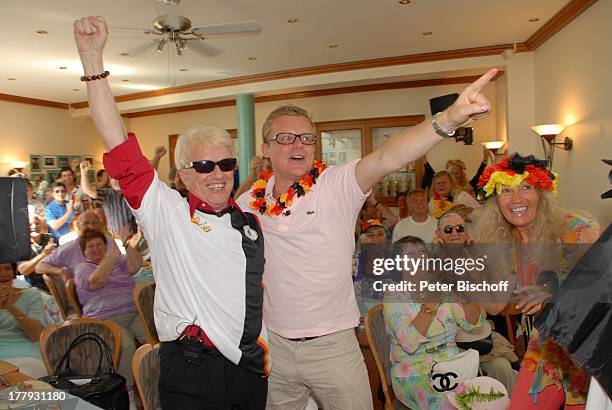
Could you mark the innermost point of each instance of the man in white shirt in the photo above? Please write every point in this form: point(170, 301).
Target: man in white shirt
point(419, 223)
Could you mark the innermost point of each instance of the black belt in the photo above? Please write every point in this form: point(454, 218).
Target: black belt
point(302, 339)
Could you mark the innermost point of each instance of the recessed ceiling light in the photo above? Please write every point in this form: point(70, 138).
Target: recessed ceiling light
point(252, 58)
point(63, 68)
point(333, 46)
point(42, 32)
point(75, 89)
point(404, 1)
point(535, 19)
point(427, 33)
point(11, 79)
point(124, 54)
point(125, 81)
point(292, 20)
point(182, 69)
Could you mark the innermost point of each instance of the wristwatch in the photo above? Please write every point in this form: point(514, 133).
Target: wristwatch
point(436, 126)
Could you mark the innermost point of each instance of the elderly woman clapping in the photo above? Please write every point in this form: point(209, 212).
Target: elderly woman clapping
point(104, 286)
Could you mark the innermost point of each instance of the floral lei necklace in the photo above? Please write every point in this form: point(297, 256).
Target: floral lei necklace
point(299, 188)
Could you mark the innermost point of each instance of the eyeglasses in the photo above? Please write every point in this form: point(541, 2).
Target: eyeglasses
point(288, 138)
point(59, 191)
point(205, 166)
point(448, 229)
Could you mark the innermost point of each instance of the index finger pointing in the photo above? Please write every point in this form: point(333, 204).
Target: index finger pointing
point(477, 85)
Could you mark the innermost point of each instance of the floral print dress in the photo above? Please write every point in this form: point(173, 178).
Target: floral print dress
point(412, 354)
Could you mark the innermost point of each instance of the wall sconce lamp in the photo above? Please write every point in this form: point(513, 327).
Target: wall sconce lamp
point(495, 147)
point(18, 165)
point(548, 133)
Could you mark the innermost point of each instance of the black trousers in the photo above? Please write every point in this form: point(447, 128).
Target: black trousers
point(194, 378)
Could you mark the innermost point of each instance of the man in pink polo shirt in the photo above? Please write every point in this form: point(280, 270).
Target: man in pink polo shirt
point(308, 214)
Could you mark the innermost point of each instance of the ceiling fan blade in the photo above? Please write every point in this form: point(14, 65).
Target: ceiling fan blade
point(136, 51)
point(201, 47)
point(225, 28)
point(131, 30)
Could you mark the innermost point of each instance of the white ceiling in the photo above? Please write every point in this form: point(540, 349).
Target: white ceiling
point(362, 29)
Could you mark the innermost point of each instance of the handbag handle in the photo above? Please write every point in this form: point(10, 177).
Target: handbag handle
point(104, 352)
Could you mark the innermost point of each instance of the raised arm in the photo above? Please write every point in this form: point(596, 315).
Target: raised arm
point(85, 186)
point(409, 145)
point(90, 34)
point(59, 222)
point(132, 253)
point(101, 275)
point(28, 267)
point(384, 211)
point(157, 156)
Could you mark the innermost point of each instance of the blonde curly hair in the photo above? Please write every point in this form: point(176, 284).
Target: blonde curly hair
point(455, 188)
point(460, 165)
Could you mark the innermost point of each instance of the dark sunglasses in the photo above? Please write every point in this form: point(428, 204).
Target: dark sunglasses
point(448, 229)
point(205, 166)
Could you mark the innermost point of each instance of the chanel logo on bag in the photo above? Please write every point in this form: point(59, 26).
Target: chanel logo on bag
point(446, 383)
point(448, 374)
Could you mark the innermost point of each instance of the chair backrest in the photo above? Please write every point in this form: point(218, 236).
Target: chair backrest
point(144, 297)
point(380, 345)
point(73, 298)
point(145, 366)
point(509, 311)
point(55, 284)
point(56, 338)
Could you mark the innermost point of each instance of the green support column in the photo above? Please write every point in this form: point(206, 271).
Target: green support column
point(245, 110)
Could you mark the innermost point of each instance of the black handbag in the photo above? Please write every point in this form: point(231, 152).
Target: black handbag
point(103, 389)
point(482, 346)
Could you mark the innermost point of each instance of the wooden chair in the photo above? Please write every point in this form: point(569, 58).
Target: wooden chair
point(380, 344)
point(145, 366)
point(56, 287)
point(144, 297)
point(73, 298)
point(56, 338)
point(509, 311)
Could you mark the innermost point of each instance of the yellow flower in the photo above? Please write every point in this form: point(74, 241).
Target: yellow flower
point(555, 182)
point(259, 184)
point(499, 179)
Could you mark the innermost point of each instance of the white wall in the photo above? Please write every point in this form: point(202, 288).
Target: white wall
point(501, 108)
point(29, 129)
point(520, 103)
point(154, 130)
point(573, 84)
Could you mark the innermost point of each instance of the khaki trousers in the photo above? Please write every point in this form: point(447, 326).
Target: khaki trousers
point(329, 368)
point(131, 327)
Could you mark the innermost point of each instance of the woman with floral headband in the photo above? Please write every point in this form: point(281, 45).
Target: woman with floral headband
point(519, 211)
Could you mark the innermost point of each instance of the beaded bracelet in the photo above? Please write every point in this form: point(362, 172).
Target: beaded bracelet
point(95, 76)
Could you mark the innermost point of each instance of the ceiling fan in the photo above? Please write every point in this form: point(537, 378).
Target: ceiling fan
point(177, 30)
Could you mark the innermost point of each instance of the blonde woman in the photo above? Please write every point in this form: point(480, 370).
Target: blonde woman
point(445, 192)
point(457, 169)
point(520, 215)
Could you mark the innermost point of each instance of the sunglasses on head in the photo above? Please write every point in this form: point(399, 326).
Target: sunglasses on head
point(205, 166)
point(448, 229)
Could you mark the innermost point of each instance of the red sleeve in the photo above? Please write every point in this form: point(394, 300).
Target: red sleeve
point(133, 170)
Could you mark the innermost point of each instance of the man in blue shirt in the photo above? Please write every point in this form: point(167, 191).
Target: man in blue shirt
point(58, 212)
